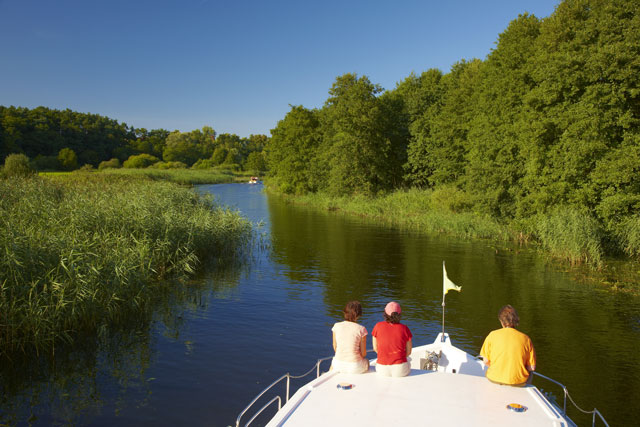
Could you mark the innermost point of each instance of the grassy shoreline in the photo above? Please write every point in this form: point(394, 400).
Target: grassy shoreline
point(568, 239)
point(80, 250)
point(178, 176)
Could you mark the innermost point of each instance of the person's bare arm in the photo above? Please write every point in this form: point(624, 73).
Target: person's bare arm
point(363, 346)
point(409, 347)
point(335, 345)
point(375, 344)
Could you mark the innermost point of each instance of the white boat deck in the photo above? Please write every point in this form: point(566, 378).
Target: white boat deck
point(441, 398)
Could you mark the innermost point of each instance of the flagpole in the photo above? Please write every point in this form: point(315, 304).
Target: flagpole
point(443, 294)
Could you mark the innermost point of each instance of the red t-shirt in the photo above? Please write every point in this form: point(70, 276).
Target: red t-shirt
point(392, 342)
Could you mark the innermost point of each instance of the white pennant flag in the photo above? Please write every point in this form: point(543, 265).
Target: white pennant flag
point(447, 284)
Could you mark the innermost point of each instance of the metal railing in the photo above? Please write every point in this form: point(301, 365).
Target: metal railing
point(593, 413)
point(288, 377)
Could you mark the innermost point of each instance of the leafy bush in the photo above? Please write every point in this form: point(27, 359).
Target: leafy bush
point(168, 165)
point(204, 164)
point(140, 161)
point(110, 164)
point(17, 165)
point(68, 159)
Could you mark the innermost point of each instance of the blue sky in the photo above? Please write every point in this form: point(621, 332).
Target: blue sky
point(233, 65)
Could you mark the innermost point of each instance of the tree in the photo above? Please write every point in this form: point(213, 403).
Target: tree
point(67, 159)
point(255, 162)
point(357, 146)
point(292, 151)
point(17, 165)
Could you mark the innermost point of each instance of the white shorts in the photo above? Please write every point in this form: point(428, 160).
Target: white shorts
point(398, 370)
point(359, 367)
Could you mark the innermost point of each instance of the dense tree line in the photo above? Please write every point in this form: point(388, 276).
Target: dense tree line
point(65, 140)
point(549, 120)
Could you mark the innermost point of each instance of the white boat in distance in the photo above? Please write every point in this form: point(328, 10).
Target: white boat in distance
point(446, 387)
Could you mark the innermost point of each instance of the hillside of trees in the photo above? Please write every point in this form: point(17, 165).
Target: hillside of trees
point(547, 126)
point(66, 140)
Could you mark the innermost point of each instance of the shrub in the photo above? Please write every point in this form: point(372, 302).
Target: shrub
point(204, 164)
point(17, 165)
point(110, 164)
point(140, 161)
point(68, 159)
point(168, 165)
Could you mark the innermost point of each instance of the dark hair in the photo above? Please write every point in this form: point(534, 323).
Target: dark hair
point(352, 311)
point(393, 318)
point(508, 316)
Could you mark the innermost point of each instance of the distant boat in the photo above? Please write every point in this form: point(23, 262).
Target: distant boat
point(253, 180)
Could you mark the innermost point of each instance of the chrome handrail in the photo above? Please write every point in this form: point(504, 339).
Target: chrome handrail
point(567, 395)
point(288, 376)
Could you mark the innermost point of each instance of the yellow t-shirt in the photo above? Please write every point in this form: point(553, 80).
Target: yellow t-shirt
point(509, 353)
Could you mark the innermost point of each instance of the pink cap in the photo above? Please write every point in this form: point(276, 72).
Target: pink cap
point(392, 307)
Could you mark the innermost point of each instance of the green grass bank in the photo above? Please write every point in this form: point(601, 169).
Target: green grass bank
point(570, 238)
point(178, 176)
point(79, 251)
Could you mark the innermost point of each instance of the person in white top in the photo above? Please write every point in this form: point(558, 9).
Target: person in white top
point(350, 342)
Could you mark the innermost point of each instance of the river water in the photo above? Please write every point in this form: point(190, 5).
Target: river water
point(228, 334)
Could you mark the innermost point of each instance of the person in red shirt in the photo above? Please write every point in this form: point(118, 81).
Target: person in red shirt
point(392, 342)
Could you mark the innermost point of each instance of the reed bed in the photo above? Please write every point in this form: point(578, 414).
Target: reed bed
point(564, 233)
point(413, 209)
point(178, 176)
point(79, 251)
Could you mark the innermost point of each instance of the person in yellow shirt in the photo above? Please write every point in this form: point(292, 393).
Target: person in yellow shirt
point(509, 353)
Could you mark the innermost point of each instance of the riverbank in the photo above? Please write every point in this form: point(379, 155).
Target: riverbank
point(568, 239)
point(81, 250)
point(178, 176)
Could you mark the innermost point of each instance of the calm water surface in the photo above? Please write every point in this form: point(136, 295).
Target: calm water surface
point(226, 335)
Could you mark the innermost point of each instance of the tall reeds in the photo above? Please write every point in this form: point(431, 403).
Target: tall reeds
point(77, 252)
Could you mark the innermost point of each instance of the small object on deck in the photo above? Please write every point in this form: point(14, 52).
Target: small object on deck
point(516, 407)
point(344, 386)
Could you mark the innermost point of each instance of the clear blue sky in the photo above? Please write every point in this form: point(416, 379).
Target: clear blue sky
point(234, 65)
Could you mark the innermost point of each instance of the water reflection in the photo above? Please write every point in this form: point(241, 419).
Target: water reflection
point(111, 373)
point(584, 336)
point(202, 350)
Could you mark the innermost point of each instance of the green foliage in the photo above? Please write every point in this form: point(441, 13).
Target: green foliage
point(43, 163)
point(77, 251)
point(67, 159)
point(571, 234)
point(168, 165)
point(448, 198)
point(550, 118)
point(110, 164)
point(360, 148)
point(629, 235)
point(291, 153)
point(218, 156)
point(17, 165)
point(255, 162)
point(140, 161)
